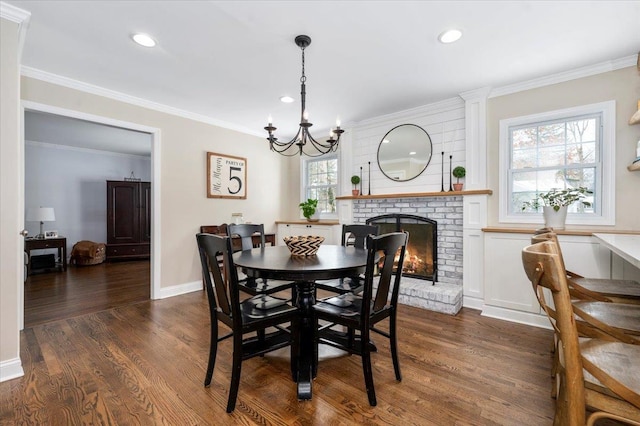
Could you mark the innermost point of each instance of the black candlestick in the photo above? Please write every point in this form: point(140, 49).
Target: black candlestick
point(450, 176)
point(369, 178)
point(361, 181)
point(442, 167)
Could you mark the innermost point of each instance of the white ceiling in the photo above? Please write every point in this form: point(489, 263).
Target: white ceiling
point(230, 61)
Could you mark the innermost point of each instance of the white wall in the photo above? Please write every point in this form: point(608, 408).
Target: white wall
point(443, 121)
point(10, 195)
point(73, 182)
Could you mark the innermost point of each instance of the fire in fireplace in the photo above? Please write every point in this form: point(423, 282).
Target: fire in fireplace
point(421, 256)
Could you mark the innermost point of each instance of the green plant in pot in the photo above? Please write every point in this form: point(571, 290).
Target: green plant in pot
point(554, 204)
point(309, 209)
point(459, 172)
point(355, 180)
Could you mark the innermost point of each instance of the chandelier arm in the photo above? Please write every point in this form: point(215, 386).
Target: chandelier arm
point(324, 144)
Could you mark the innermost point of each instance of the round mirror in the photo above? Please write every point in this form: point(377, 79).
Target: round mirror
point(404, 152)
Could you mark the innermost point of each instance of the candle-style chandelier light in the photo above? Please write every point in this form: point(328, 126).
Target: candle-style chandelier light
point(303, 142)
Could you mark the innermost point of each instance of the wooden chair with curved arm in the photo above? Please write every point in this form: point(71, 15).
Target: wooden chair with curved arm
point(600, 289)
point(594, 374)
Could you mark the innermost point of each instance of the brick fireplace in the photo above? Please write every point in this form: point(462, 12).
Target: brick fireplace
point(446, 293)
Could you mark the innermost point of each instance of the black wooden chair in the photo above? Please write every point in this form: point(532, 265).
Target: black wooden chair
point(385, 253)
point(356, 236)
point(253, 315)
point(255, 285)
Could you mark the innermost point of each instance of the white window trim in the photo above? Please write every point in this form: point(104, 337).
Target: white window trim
point(303, 186)
point(607, 163)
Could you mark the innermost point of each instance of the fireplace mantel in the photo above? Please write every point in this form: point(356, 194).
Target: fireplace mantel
point(418, 194)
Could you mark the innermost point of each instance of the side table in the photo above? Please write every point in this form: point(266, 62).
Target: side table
point(59, 243)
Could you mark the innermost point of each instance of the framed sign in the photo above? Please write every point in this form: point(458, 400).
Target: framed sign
point(226, 176)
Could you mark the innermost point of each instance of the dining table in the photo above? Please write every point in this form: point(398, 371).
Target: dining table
point(277, 263)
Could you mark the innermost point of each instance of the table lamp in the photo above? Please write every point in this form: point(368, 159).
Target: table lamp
point(42, 215)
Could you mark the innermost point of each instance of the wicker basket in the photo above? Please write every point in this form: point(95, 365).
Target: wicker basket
point(303, 245)
point(88, 253)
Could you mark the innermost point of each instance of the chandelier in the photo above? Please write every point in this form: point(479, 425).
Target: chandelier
point(303, 139)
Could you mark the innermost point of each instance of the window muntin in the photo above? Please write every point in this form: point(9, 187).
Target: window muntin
point(597, 145)
point(555, 154)
point(321, 183)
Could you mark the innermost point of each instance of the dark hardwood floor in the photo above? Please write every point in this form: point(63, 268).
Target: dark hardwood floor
point(144, 363)
point(84, 289)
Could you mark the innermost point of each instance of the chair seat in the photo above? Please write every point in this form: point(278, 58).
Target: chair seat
point(624, 317)
point(617, 360)
point(346, 306)
point(626, 289)
point(259, 308)
point(258, 286)
point(341, 285)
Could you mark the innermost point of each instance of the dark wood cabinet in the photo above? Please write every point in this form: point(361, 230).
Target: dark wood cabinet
point(128, 220)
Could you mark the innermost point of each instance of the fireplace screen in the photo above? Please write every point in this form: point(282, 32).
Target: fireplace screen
point(421, 256)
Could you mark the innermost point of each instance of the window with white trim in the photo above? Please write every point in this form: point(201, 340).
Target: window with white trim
point(559, 150)
point(321, 183)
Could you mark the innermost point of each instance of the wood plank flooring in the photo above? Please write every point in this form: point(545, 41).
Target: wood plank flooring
point(144, 363)
point(84, 289)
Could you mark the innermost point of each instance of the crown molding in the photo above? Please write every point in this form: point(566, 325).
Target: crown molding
point(587, 71)
point(14, 14)
point(122, 97)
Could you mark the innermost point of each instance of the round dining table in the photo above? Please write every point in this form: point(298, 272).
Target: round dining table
point(276, 262)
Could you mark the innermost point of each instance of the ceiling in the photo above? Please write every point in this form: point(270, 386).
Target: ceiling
point(229, 62)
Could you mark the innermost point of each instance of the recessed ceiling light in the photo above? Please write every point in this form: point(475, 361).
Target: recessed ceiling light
point(143, 40)
point(286, 99)
point(450, 36)
point(412, 153)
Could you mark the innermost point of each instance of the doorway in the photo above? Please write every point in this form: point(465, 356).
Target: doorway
point(114, 139)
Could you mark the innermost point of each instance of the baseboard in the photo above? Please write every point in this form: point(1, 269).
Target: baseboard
point(527, 318)
point(472, 302)
point(177, 290)
point(11, 369)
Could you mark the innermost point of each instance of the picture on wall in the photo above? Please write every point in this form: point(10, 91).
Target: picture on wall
point(226, 176)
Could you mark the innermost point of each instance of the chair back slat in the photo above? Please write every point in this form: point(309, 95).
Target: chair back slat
point(246, 231)
point(223, 294)
point(359, 233)
point(386, 252)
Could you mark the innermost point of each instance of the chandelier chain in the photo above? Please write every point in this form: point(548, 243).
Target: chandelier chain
point(303, 78)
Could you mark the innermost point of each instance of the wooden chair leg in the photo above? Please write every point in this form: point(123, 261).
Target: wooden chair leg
point(213, 350)
point(394, 346)
point(235, 372)
point(368, 375)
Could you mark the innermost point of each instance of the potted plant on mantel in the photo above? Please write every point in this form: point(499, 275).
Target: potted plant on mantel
point(555, 203)
point(309, 210)
point(355, 180)
point(459, 172)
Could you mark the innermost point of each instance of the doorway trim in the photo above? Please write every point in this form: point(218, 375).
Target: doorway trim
point(155, 187)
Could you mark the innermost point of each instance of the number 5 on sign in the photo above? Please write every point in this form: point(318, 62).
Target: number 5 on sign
point(226, 176)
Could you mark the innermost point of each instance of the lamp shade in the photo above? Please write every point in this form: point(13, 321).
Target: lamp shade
point(41, 214)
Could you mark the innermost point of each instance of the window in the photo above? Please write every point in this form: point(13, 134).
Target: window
point(321, 183)
point(560, 149)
